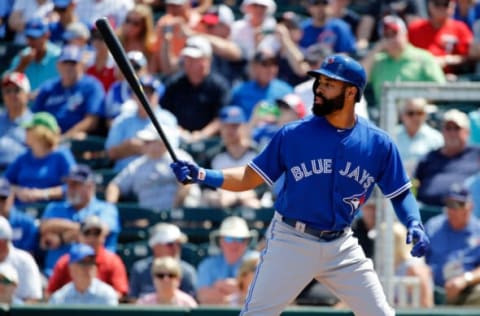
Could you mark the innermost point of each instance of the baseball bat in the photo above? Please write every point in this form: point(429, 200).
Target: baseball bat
point(118, 53)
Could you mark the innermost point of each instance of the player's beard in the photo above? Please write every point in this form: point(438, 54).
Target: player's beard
point(328, 106)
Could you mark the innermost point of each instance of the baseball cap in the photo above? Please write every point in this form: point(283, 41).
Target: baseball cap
point(457, 117)
point(149, 81)
point(218, 14)
point(137, 58)
point(294, 102)
point(17, 78)
point(196, 47)
point(5, 187)
point(270, 4)
point(265, 56)
point(232, 114)
point(6, 232)
point(80, 173)
point(393, 23)
point(79, 251)
point(62, 3)
point(92, 221)
point(36, 28)
point(9, 272)
point(234, 226)
point(457, 192)
point(176, 2)
point(76, 30)
point(164, 233)
point(71, 53)
point(44, 119)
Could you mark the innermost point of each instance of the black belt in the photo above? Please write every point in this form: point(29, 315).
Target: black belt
point(325, 235)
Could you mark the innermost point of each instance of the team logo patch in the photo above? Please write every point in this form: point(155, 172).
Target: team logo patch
point(201, 174)
point(356, 200)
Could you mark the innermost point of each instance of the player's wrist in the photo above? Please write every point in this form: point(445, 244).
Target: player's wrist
point(212, 178)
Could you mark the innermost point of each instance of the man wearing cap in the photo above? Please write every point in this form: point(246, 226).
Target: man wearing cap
point(195, 94)
point(110, 267)
point(165, 240)
point(66, 15)
point(217, 273)
point(60, 222)
point(236, 148)
point(454, 256)
point(29, 287)
point(122, 143)
point(24, 11)
point(25, 231)
point(74, 98)
point(148, 177)
point(15, 95)
point(38, 60)
point(393, 58)
point(84, 288)
point(454, 162)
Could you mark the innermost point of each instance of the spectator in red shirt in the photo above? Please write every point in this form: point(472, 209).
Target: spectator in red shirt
point(446, 38)
point(110, 267)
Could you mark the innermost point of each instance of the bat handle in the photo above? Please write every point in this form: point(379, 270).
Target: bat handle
point(188, 180)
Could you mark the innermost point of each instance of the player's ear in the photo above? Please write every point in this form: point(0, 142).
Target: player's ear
point(351, 91)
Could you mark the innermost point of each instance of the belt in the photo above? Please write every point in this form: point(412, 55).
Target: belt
point(325, 235)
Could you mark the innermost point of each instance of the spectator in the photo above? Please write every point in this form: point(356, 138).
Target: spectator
point(75, 99)
point(236, 149)
point(246, 273)
point(453, 255)
point(89, 11)
point(166, 274)
point(15, 91)
point(166, 241)
point(394, 59)
point(78, 34)
point(25, 10)
point(454, 162)
point(325, 30)
point(65, 9)
point(122, 145)
point(414, 137)
point(217, 273)
point(84, 288)
point(447, 39)
point(110, 268)
point(25, 231)
point(38, 59)
point(8, 285)
point(264, 84)
point(29, 288)
point(148, 177)
point(196, 94)
point(60, 223)
point(36, 175)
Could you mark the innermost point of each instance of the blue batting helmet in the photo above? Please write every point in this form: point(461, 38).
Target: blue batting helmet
point(343, 68)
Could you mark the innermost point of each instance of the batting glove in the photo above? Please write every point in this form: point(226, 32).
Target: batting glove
point(188, 172)
point(416, 234)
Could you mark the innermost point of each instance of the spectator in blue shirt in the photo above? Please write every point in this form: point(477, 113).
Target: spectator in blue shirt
point(74, 98)
point(66, 15)
point(15, 90)
point(85, 288)
point(60, 223)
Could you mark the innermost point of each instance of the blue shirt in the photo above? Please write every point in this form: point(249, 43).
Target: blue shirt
point(98, 293)
point(70, 105)
point(335, 34)
point(106, 211)
point(330, 173)
point(25, 232)
point(246, 95)
point(12, 137)
point(56, 32)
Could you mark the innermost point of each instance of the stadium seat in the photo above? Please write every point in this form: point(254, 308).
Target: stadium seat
point(102, 178)
point(257, 219)
point(35, 210)
point(91, 151)
point(429, 211)
point(133, 251)
point(193, 253)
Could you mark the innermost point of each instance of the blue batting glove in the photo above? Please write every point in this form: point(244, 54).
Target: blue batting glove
point(185, 171)
point(416, 234)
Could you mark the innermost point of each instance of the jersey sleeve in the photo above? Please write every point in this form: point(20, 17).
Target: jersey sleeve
point(393, 179)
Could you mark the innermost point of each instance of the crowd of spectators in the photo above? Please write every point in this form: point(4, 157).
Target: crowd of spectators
point(222, 77)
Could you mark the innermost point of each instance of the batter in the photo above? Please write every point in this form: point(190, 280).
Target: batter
point(331, 162)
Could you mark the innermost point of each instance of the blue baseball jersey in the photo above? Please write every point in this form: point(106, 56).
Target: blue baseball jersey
point(330, 173)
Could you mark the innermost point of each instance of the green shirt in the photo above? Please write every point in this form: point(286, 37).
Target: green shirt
point(415, 64)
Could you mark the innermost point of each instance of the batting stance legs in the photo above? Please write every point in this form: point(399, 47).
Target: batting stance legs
point(291, 259)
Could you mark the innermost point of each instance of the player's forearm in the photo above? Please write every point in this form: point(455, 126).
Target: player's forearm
point(406, 208)
point(240, 179)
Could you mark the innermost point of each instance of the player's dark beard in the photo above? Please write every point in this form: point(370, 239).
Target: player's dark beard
point(328, 105)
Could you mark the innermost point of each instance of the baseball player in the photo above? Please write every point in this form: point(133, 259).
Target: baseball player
point(331, 162)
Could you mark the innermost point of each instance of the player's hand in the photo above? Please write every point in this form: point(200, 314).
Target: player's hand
point(417, 235)
point(185, 171)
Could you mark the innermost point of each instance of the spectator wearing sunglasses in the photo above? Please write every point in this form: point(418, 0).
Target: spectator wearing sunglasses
point(166, 274)
point(454, 252)
point(414, 136)
point(217, 274)
point(110, 267)
point(454, 162)
point(166, 241)
point(84, 288)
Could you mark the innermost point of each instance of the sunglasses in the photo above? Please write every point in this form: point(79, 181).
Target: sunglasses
point(451, 128)
point(135, 22)
point(59, 10)
point(87, 263)
point(92, 232)
point(162, 276)
point(13, 90)
point(452, 204)
point(414, 113)
point(442, 4)
point(5, 281)
point(318, 2)
point(230, 240)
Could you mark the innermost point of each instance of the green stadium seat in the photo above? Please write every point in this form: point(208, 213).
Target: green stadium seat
point(257, 219)
point(429, 211)
point(133, 251)
point(91, 151)
point(102, 178)
point(35, 210)
point(193, 253)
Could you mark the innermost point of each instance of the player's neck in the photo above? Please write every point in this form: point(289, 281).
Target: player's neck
point(342, 119)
